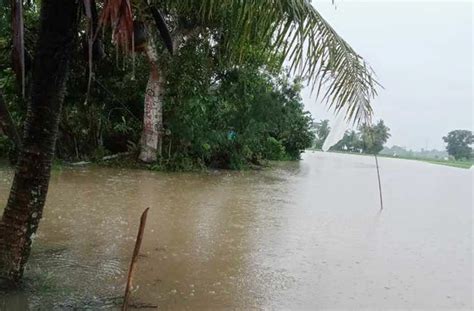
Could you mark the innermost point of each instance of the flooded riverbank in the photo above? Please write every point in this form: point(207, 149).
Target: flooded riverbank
point(303, 235)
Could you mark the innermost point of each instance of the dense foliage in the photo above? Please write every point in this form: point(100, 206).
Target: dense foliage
point(216, 114)
point(459, 144)
point(233, 116)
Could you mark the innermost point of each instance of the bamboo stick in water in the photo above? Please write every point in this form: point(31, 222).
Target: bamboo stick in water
point(136, 251)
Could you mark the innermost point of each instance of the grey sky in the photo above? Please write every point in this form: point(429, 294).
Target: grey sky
point(422, 54)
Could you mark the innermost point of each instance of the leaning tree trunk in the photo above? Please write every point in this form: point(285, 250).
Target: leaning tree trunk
point(151, 141)
point(24, 209)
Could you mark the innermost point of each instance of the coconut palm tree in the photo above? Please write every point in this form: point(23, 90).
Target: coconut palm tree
point(322, 130)
point(292, 28)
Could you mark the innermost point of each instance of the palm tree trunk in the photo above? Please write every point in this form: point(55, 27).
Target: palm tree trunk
point(151, 141)
point(24, 209)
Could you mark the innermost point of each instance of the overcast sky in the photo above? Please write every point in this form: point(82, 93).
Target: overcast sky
point(422, 54)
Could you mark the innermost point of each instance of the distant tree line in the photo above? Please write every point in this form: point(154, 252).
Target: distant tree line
point(399, 151)
point(458, 146)
point(372, 138)
point(366, 139)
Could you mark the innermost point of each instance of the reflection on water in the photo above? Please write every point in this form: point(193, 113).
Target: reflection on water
point(305, 235)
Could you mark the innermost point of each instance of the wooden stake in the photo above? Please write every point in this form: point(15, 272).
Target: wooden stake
point(380, 184)
point(136, 250)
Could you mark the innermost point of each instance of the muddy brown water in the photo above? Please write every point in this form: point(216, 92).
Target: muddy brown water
point(303, 235)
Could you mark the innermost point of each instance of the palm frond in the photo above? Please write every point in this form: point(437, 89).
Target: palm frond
point(309, 44)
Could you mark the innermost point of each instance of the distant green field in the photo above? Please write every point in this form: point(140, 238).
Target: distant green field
point(453, 163)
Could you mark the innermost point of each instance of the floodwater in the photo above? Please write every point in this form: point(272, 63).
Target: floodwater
point(305, 235)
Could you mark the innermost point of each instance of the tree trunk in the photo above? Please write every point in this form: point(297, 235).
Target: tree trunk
point(151, 141)
point(58, 29)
